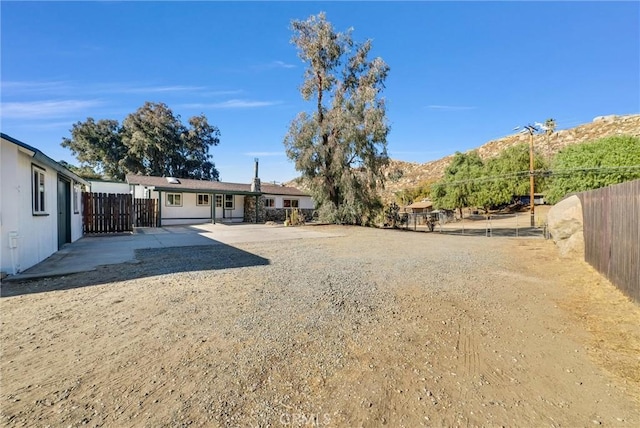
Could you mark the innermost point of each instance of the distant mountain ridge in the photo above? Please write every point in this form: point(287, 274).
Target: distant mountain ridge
point(414, 174)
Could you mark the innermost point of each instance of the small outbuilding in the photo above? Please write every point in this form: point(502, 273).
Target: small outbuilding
point(40, 206)
point(423, 206)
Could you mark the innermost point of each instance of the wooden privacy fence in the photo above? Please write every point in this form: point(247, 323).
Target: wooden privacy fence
point(612, 234)
point(145, 212)
point(116, 212)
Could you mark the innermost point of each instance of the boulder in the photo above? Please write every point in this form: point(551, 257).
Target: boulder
point(566, 226)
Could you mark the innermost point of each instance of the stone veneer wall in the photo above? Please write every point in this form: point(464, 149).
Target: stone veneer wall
point(280, 214)
point(250, 209)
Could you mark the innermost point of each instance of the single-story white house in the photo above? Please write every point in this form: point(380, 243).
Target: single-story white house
point(40, 206)
point(188, 201)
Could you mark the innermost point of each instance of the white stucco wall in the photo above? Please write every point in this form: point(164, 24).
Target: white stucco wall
point(305, 202)
point(109, 187)
point(76, 214)
point(37, 235)
point(191, 213)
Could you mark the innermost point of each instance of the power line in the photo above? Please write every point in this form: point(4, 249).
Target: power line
point(545, 173)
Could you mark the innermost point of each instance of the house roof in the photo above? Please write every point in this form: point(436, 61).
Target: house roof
point(275, 189)
point(41, 157)
point(421, 204)
point(190, 185)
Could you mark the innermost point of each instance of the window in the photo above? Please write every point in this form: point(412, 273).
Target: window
point(174, 199)
point(38, 190)
point(76, 198)
point(203, 199)
point(290, 203)
point(228, 202)
point(218, 201)
point(269, 203)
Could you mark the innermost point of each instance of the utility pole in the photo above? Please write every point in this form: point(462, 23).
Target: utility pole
point(531, 129)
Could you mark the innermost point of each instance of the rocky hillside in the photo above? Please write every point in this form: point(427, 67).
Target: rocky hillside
point(414, 174)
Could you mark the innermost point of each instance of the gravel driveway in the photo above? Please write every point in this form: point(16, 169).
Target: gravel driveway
point(365, 328)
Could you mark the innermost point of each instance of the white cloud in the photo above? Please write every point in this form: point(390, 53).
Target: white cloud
point(158, 89)
point(9, 87)
point(221, 93)
point(450, 108)
point(273, 65)
point(45, 109)
point(282, 64)
point(233, 104)
point(65, 87)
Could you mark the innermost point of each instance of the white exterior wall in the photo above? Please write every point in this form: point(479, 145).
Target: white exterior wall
point(237, 214)
point(37, 235)
point(76, 216)
point(191, 213)
point(304, 202)
point(109, 187)
point(142, 192)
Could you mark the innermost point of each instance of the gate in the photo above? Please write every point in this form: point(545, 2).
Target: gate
point(116, 213)
point(145, 212)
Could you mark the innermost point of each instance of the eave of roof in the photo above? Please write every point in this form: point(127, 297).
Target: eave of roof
point(205, 186)
point(177, 189)
point(190, 185)
point(420, 205)
point(282, 191)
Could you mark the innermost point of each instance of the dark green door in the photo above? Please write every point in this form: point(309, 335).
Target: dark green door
point(64, 212)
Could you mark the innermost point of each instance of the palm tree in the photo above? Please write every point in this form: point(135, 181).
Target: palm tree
point(550, 126)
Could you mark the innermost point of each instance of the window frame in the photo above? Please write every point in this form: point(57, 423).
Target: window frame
point(269, 202)
point(229, 198)
point(38, 191)
point(290, 201)
point(218, 201)
point(173, 204)
point(203, 196)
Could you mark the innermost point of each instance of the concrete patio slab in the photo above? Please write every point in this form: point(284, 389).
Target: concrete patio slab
point(89, 252)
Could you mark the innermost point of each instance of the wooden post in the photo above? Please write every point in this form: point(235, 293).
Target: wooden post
point(531, 183)
point(159, 208)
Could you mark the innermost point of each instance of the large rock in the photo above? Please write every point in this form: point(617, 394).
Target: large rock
point(566, 226)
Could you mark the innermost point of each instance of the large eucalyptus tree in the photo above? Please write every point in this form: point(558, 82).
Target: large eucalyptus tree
point(341, 146)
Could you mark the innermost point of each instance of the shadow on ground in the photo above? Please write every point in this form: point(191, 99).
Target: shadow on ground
point(149, 262)
point(522, 232)
point(502, 232)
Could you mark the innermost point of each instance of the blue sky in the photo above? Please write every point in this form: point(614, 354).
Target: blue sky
point(462, 73)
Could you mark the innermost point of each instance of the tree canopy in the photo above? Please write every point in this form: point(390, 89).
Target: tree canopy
point(507, 175)
point(150, 141)
point(468, 181)
point(458, 187)
point(592, 165)
point(339, 148)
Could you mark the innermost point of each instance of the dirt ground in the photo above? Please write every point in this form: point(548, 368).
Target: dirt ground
point(375, 327)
